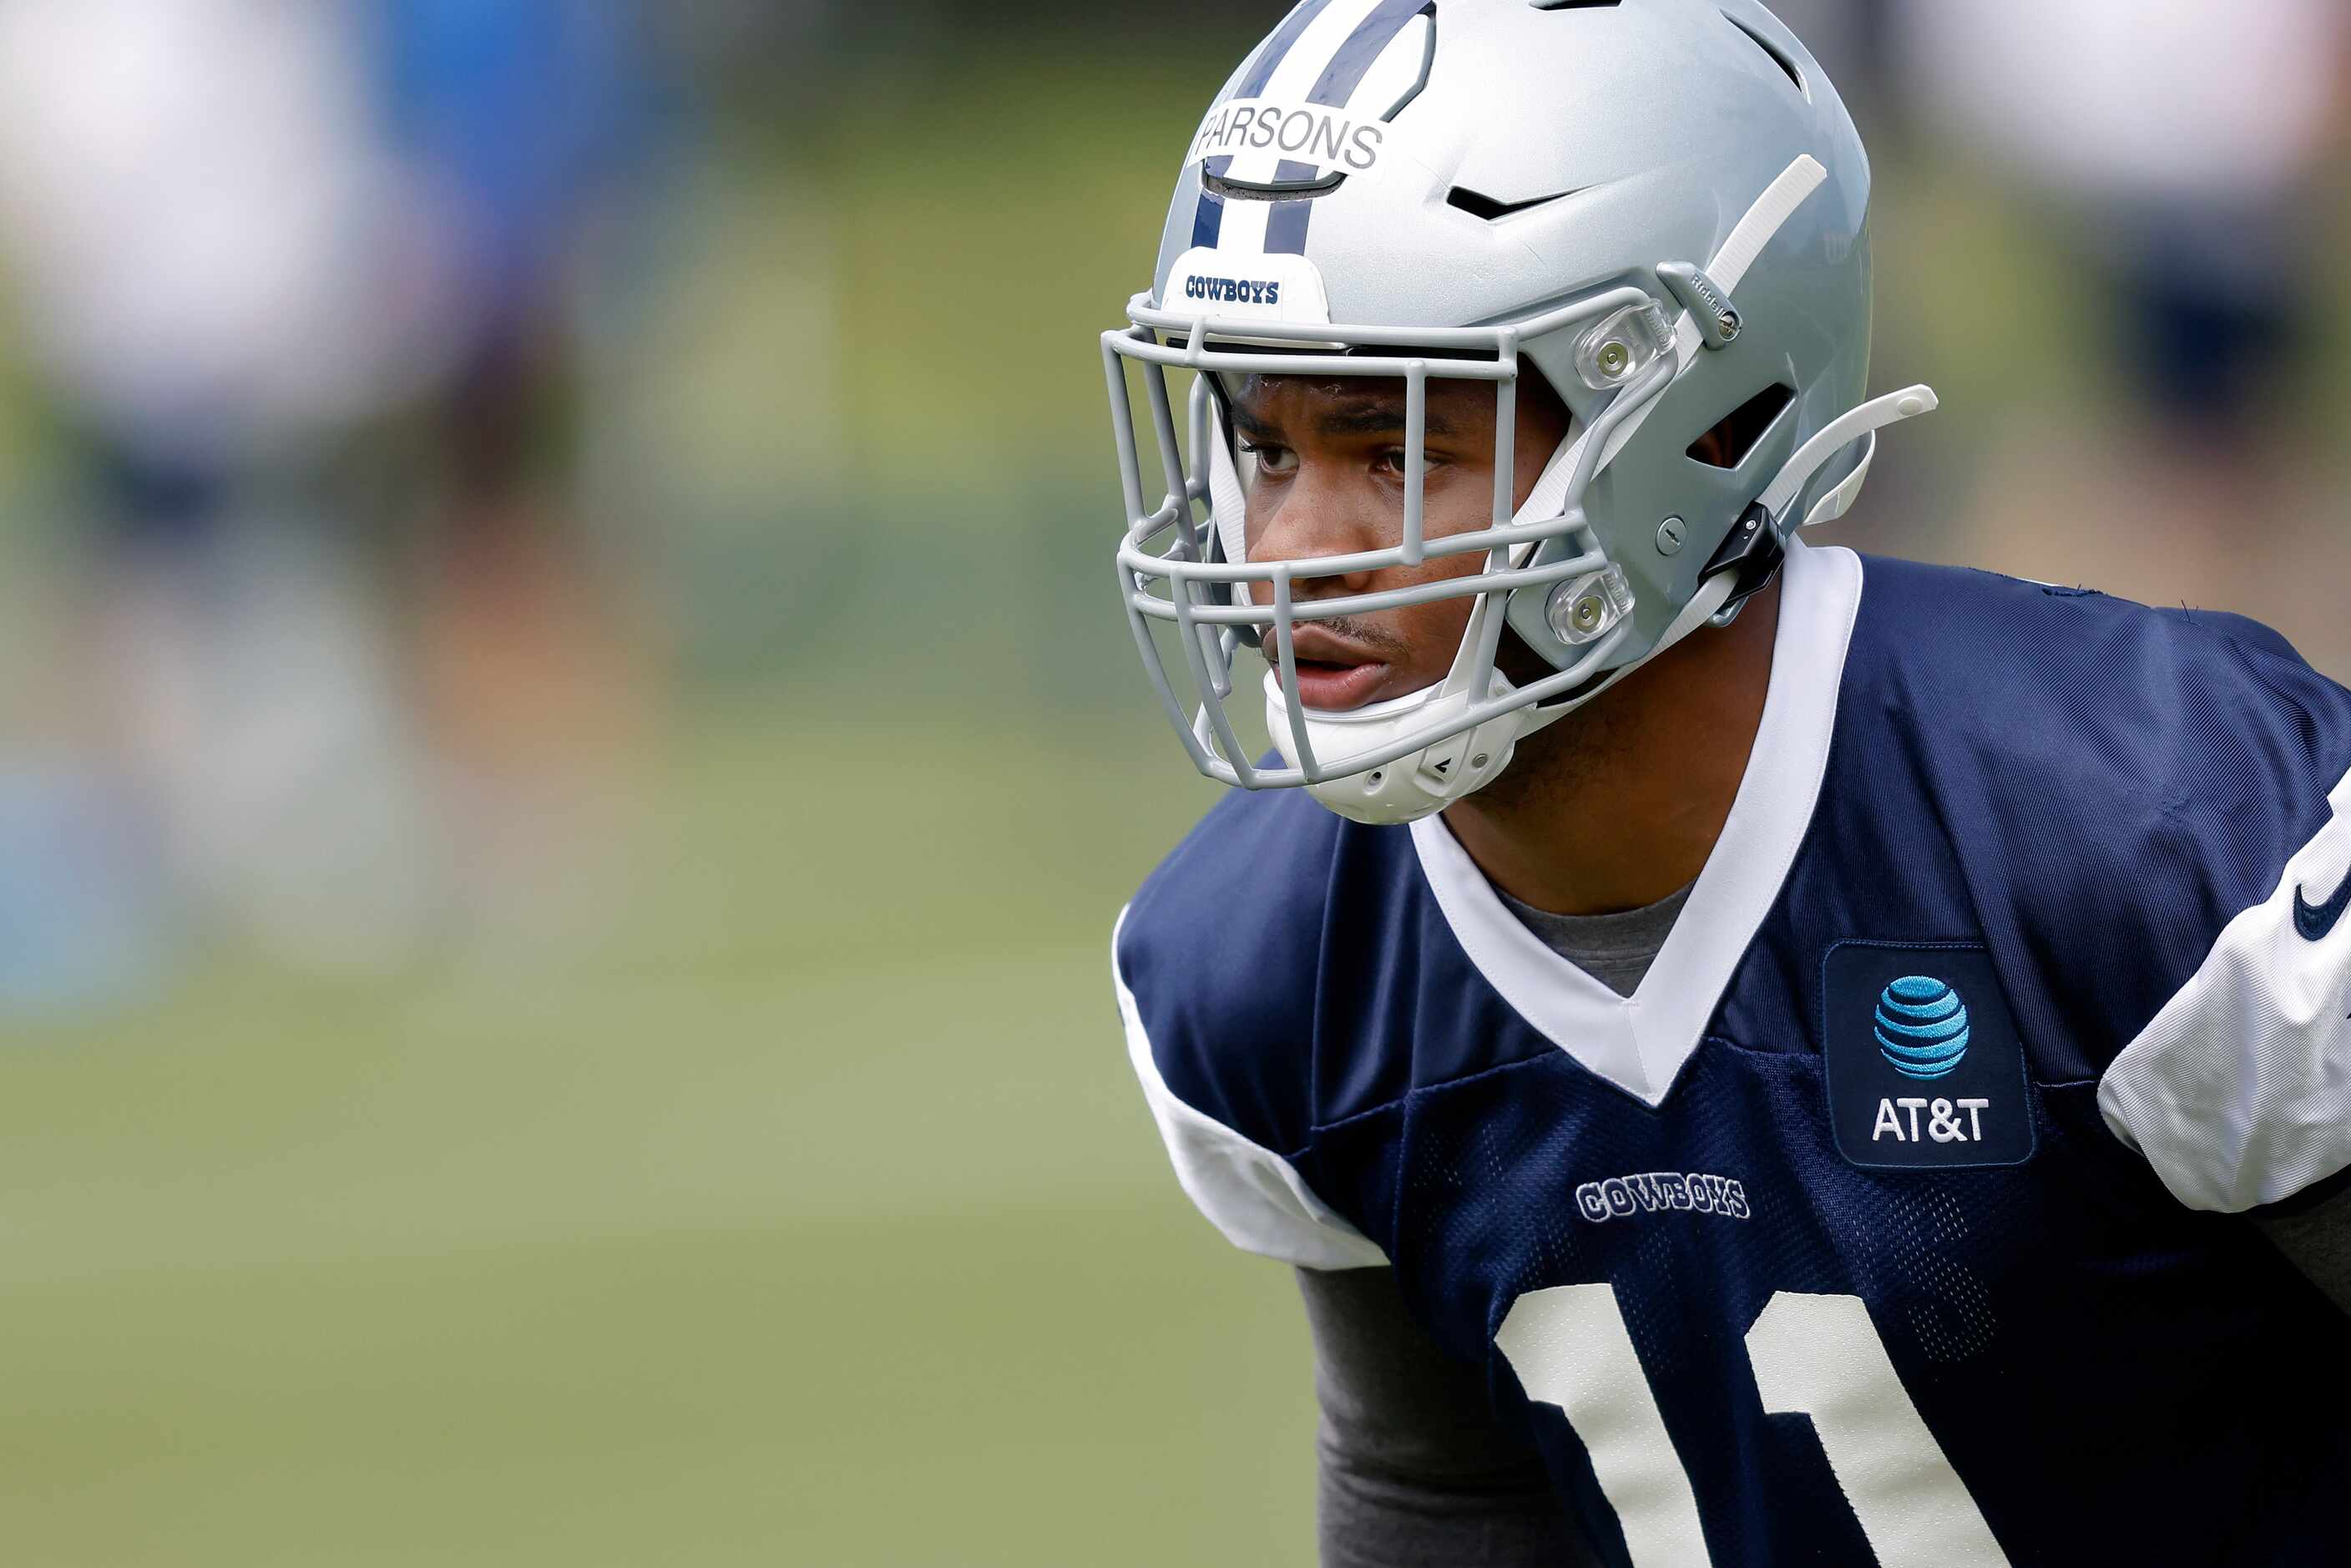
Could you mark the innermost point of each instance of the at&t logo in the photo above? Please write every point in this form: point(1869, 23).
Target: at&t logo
point(1922, 1033)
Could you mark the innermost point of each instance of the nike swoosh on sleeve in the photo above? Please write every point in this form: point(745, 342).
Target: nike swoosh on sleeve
point(2315, 921)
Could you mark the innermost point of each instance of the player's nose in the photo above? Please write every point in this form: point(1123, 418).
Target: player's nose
point(1317, 517)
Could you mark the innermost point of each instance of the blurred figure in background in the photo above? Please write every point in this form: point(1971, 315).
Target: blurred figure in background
point(521, 124)
point(206, 241)
point(246, 240)
point(2178, 151)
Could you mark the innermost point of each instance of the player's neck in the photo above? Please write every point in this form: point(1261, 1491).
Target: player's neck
point(1618, 805)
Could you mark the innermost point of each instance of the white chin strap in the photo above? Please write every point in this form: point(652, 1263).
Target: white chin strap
point(1465, 760)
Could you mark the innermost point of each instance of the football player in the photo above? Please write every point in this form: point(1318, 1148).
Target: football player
point(1760, 1055)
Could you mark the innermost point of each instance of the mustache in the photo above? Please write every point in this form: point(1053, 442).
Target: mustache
point(1364, 634)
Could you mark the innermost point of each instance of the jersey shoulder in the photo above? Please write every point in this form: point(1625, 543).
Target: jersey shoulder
point(1979, 643)
point(1219, 963)
point(2064, 729)
point(1220, 949)
point(2138, 806)
point(2099, 765)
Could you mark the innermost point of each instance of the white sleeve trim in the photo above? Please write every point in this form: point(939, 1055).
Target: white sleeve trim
point(1251, 1194)
point(2238, 1093)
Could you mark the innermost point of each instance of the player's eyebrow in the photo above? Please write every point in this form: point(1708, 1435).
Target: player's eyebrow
point(1249, 424)
point(1358, 416)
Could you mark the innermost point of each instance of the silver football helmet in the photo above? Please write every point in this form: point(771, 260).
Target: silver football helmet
point(1659, 205)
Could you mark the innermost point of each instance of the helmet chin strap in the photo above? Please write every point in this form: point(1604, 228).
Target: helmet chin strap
point(1855, 424)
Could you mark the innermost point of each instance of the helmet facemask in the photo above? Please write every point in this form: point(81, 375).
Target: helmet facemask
point(1184, 567)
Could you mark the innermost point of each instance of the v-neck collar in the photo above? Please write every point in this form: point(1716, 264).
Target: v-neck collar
point(1640, 1042)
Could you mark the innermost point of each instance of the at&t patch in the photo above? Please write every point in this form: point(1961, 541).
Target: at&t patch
point(1923, 1064)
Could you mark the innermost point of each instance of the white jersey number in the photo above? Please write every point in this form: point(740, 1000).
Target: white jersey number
point(1816, 1355)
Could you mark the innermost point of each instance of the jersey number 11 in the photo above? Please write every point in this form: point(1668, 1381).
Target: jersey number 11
point(1815, 1355)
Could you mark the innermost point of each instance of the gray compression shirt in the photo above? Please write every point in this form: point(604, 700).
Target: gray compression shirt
point(1413, 1469)
point(1615, 949)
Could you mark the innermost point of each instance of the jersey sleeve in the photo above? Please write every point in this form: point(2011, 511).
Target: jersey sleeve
point(2238, 1091)
point(1254, 1195)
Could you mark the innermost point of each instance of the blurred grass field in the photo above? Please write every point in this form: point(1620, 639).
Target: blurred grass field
point(813, 1216)
point(816, 1217)
point(825, 1227)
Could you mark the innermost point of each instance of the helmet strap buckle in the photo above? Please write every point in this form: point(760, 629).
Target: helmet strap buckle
point(1753, 552)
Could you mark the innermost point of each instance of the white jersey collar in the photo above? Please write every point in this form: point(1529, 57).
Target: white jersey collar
point(1640, 1042)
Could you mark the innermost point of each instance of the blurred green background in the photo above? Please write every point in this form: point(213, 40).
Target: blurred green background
point(749, 1168)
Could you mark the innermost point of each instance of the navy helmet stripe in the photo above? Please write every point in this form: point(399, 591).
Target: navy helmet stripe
point(1286, 229)
point(1276, 48)
point(1285, 226)
point(1208, 217)
point(1353, 61)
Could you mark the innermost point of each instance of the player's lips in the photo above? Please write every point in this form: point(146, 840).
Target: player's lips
point(1334, 673)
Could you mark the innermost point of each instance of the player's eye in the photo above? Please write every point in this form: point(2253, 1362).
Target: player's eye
point(1392, 461)
point(1271, 459)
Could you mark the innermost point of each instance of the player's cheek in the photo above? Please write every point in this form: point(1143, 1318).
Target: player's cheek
point(1434, 631)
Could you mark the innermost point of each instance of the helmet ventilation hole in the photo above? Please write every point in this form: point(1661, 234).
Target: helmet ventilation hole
point(1572, 5)
point(1779, 56)
point(1734, 435)
point(1479, 205)
point(1253, 191)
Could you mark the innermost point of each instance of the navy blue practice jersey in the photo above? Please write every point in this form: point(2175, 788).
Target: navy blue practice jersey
point(1899, 1216)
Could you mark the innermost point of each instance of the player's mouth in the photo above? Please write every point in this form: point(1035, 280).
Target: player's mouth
point(1335, 675)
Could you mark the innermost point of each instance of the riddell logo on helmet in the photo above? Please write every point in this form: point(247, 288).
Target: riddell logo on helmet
point(1234, 290)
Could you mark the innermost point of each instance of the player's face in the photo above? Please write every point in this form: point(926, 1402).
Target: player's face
point(1330, 481)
